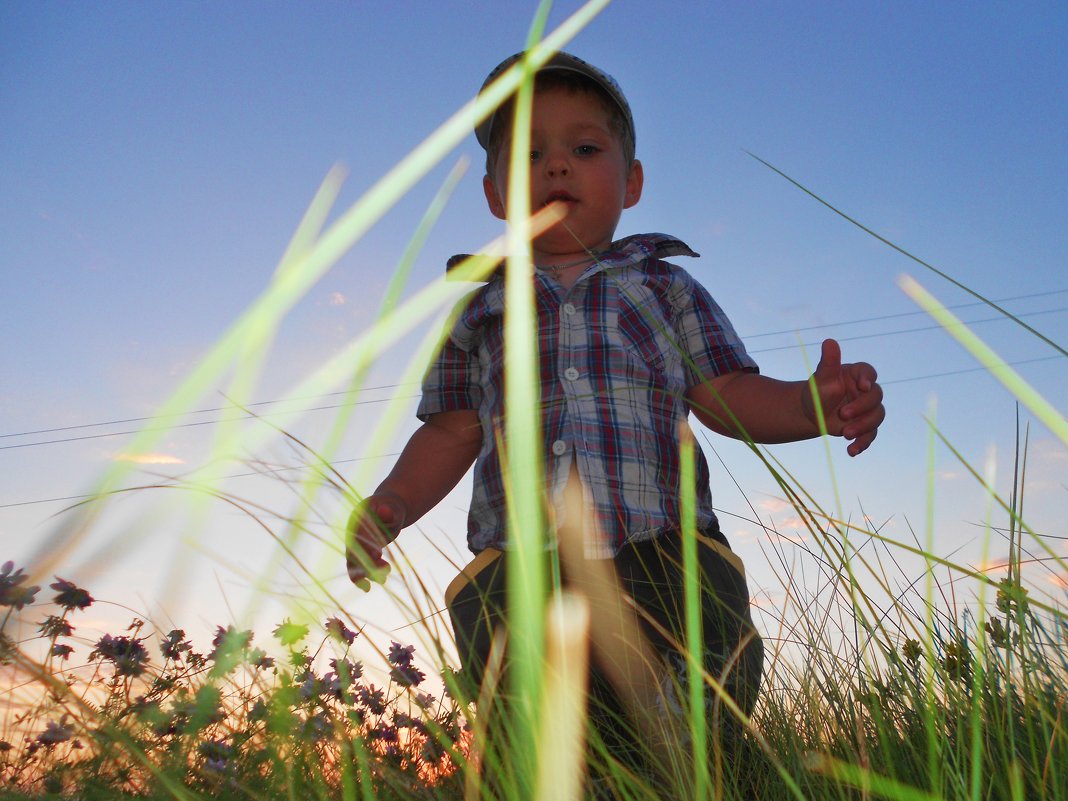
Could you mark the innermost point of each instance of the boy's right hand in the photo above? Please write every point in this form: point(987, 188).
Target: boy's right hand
point(373, 525)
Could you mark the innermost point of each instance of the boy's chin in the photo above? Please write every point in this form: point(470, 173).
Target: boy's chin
point(562, 245)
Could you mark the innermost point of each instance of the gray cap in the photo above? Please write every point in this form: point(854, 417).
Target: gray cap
point(563, 62)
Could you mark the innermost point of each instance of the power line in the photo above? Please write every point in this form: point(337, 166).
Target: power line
point(106, 434)
point(183, 414)
point(223, 478)
point(109, 434)
point(910, 330)
point(383, 456)
point(915, 313)
point(979, 369)
point(387, 455)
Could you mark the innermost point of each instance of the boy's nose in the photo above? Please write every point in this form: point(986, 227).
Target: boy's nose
point(556, 164)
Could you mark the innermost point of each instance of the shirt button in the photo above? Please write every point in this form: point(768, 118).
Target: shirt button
point(569, 308)
point(571, 374)
point(559, 447)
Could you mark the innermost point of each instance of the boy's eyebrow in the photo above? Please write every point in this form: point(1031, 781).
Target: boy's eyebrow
point(579, 127)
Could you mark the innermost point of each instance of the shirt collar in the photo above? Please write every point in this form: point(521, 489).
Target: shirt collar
point(630, 251)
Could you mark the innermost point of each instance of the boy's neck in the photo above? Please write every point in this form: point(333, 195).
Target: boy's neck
point(567, 273)
point(552, 261)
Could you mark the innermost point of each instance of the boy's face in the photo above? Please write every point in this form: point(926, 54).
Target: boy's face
point(576, 158)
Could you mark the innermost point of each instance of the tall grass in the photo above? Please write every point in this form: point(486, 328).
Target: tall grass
point(880, 684)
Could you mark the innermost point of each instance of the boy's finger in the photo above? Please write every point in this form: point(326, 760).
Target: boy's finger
point(862, 401)
point(864, 421)
point(830, 364)
point(363, 576)
point(860, 444)
point(864, 376)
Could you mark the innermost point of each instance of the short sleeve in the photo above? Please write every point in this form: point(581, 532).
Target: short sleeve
point(705, 334)
point(451, 382)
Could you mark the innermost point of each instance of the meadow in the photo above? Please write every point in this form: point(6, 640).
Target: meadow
point(879, 683)
point(956, 689)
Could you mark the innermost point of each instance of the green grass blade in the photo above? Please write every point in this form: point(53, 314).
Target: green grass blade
point(870, 783)
point(916, 259)
point(997, 367)
point(522, 444)
point(692, 601)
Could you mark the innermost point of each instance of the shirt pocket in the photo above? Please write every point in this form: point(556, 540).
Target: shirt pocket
point(644, 330)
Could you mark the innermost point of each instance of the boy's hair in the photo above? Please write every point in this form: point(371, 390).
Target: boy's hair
point(571, 82)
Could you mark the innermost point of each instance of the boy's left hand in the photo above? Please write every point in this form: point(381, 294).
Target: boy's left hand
point(851, 398)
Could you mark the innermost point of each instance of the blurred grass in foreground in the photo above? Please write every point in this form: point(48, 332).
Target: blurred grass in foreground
point(954, 688)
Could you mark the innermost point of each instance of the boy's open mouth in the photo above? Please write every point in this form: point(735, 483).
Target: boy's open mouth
point(564, 197)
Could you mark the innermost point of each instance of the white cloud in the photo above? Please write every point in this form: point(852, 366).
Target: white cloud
point(996, 565)
point(147, 458)
point(772, 505)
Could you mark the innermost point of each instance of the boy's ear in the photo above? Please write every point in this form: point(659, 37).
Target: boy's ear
point(635, 180)
point(493, 198)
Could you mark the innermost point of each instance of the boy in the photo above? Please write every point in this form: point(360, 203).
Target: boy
point(629, 344)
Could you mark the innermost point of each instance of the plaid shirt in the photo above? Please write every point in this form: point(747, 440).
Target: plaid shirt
point(618, 351)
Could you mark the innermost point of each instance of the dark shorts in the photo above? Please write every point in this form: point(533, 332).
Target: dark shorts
point(652, 574)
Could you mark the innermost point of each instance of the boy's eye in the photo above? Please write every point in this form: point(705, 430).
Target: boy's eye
point(535, 155)
point(586, 150)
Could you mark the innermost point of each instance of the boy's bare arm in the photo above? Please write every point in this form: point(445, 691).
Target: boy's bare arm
point(433, 461)
point(767, 410)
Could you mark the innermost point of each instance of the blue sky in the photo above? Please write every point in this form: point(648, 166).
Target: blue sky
point(155, 159)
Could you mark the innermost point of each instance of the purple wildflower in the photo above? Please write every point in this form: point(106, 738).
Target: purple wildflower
point(128, 654)
point(400, 655)
point(71, 596)
point(215, 749)
point(425, 700)
point(55, 733)
point(310, 685)
point(62, 651)
point(54, 626)
point(339, 631)
point(407, 675)
point(258, 659)
point(404, 672)
point(385, 733)
point(11, 594)
point(347, 671)
point(332, 686)
point(318, 726)
point(372, 699)
point(216, 755)
point(174, 644)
